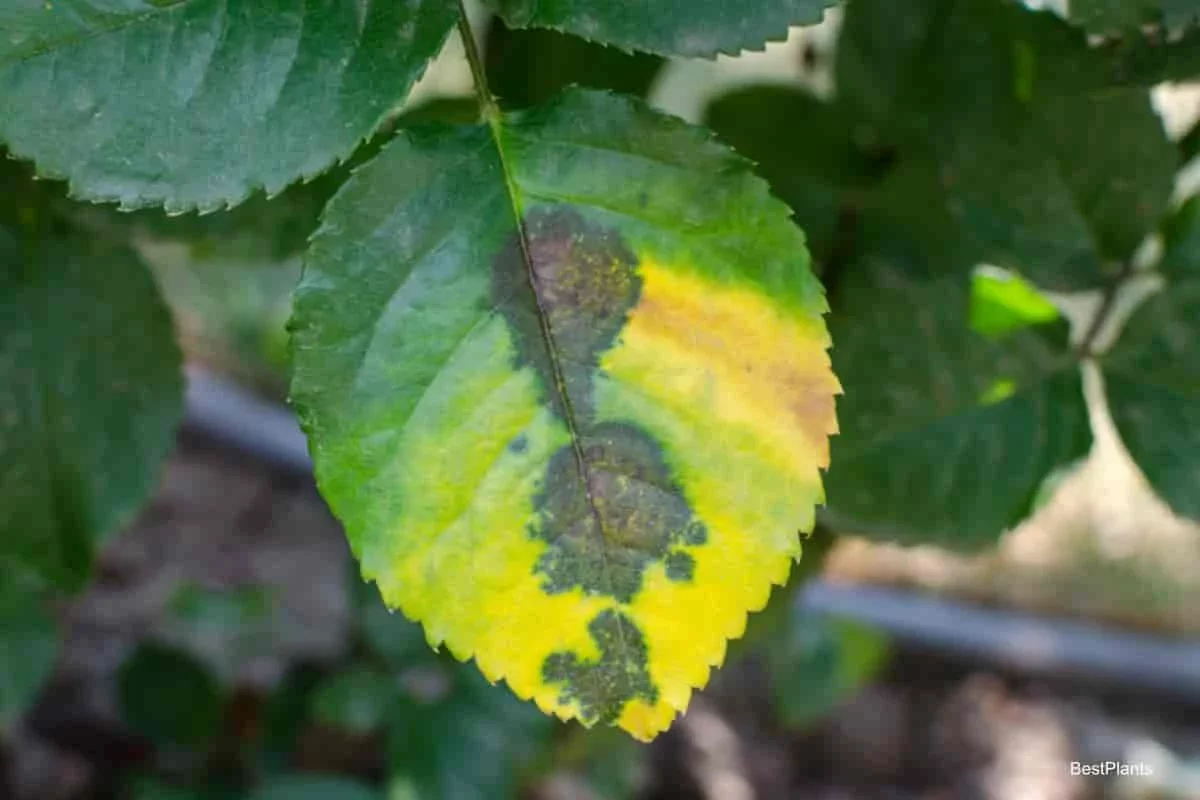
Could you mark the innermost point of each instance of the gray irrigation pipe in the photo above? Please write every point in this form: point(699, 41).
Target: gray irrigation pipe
point(235, 417)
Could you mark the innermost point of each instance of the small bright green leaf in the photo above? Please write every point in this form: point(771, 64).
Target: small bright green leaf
point(529, 67)
point(818, 663)
point(355, 700)
point(90, 387)
point(28, 644)
point(946, 435)
point(549, 440)
point(469, 741)
point(1152, 377)
point(698, 29)
point(1002, 302)
point(313, 787)
point(196, 103)
point(167, 696)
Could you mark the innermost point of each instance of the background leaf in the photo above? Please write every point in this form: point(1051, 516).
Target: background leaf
point(28, 643)
point(313, 787)
point(927, 450)
point(1152, 378)
point(818, 663)
point(529, 67)
point(90, 386)
point(169, 697)
point(196, 103)
point(700, 28)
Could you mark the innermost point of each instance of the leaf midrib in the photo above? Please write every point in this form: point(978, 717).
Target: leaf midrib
point(495, 126)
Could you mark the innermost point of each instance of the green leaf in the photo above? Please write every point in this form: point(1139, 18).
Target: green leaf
point(1178, 13)
point(90, 387)
point(1115, 16)
point(1152, 377)
point(805, 147)
point(355, 699)
point(818, 663)
point(529, 67)
point(700, 28)
point(467, 742)
point(196, 103)
point(1053, 173)
point(532, 450)
point(313, 787)
point(1067, 198)
point(1002, 302)
point(169, 697)
point(28, 644)
point(945, 435)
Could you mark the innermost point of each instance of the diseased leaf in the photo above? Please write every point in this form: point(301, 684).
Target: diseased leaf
point(193, 104)
point(695, 28)
point(1152, 377)
point(946, 435)
point(90, 387)
point(565, 382)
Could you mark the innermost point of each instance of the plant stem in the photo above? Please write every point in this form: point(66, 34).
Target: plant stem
point(487, 102)
point(1107, 302)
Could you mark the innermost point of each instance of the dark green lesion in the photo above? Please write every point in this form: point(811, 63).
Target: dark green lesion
point(608, 507)
point(571, 281)
point(609, 521)
point(601, 687)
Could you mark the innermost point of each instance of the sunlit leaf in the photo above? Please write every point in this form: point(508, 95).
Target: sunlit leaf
point(1002, 302)
point(196, 103)
point(552, 441)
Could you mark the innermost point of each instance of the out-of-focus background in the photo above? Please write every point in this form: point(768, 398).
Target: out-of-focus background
point(227, 641)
